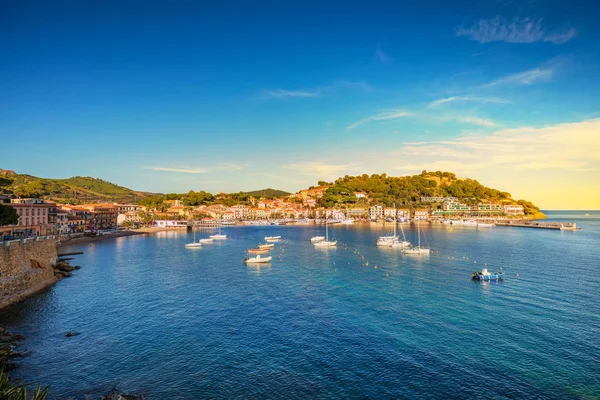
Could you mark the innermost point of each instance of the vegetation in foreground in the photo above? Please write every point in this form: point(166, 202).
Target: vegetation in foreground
point(11, 391)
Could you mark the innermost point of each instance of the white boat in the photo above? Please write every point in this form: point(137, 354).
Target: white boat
point(266, 246)
point(219, 235)
point(326, 242)
point(206, 240)
point(272, 238)
point(347, 221)
point(458, 222)
point(388, 241)
point(418, 249)
point(194, 243)
point(258, 259)
point(470, 222)
point(485, 224)
point(317, 239)
point(400, 244)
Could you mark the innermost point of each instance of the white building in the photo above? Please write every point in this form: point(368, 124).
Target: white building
point(513, 209)
point(376, 212)
point(389, 212)
point(421, 214)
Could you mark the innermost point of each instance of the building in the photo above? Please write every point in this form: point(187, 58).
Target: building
point(33, 217)
point(488, 208)
point(454, 207)
point(358, 212)
point(58, 218)
point(360, 195)
point(514, 209)
point(438, 199)
point(376, 212)
point(389, 212)
point(403, 214)
point(103, 216)
point(421, 214)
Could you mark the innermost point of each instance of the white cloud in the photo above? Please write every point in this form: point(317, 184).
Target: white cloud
point(230, 167)
point(319, 169)
point(478, 99)
point(518, 30)
point(184, 170)
point(281, 93)
point(476, 121)
point(523, 78)
point(552, 165)
point(380, 117)
point(381, 56)
point(320, 91)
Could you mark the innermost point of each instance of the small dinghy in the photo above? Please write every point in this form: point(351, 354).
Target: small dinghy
point(485, 275)
point(266, 246)
point(272, 238)
point(257, 259)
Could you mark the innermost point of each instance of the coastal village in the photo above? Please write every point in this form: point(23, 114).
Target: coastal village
point(42, 217)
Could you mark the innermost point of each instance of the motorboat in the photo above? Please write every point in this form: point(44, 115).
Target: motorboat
point(218, 236)
point(266, 246)
point(486, 224)
point(206, 240)
point(470, 222)
point(315, 239)
point(485, 275)
point(257, 259)
point(272, 238)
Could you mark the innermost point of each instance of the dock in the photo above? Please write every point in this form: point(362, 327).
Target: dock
point(558, 226)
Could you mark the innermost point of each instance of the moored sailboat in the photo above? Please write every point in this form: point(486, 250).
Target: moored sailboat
point(418, 249)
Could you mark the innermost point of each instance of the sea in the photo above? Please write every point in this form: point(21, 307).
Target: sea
point(355, 321)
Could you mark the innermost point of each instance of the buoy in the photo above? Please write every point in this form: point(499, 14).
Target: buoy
point(367, 264)
point(517, 274)
point(485, 265)
point(386, 275)
point(474, 261)
point(376, 267)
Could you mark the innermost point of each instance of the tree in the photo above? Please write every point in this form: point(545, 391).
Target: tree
point(8, 215)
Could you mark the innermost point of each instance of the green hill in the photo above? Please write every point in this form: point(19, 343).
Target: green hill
point(268, 193)
point(78, 189)
point(407, 191)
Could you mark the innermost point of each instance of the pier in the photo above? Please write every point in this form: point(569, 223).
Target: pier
point(559, 226)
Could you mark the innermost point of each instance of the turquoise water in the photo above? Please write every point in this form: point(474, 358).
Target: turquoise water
point(175, 323)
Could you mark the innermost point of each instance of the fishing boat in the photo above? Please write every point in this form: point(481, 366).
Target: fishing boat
point(257, 259)
point(325, 242)
point(206, 240)
point(258, 251)
point(418, 249)
point(194, 243)
point(272, 238)
point(485, 275)
point(266, 246)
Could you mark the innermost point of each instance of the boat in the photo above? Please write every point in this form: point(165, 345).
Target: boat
point(194, 243)
point(272, 238)
point(417, 249)
point(587, 215)
point(388, 240)
point(258, 259)
point(317, 239)
point(458, 222)
point(206, 240)
point(325, 242)
point(258, 251)
point(347, 221)
point(400, 243)
point(470, 222)
point(485, 275)
point(266, 246)
point(485, 224)
point(218, 236)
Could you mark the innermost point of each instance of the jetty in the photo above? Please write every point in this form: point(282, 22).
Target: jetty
point(559, 226)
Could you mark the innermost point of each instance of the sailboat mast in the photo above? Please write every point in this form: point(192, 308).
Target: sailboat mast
point(395, 220)
point(419, 231)
point(326, 230)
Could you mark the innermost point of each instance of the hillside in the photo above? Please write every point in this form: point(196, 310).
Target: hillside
point(73, 190)
point(406, 191)
point(267, 193)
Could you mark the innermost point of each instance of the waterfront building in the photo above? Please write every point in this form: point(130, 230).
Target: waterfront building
point(403, 214)
point(514, 209)
point(488, 208)
point(103, 216)
point(454, 207)
point(376, 212)
point(389, 212)
point(358, 212)
point(421, 214)
point(33, 217)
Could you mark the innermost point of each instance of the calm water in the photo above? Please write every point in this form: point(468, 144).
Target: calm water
point(176, 323)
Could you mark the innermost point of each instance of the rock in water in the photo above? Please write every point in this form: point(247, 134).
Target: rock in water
point(72, 333)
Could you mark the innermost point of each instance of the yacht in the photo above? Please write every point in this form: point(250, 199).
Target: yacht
point(418, 249)
point(326, 242)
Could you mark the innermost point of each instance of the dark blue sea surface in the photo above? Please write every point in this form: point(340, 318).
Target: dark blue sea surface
point(169, 322)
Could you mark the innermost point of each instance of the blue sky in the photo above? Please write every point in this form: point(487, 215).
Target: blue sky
point(172, 96)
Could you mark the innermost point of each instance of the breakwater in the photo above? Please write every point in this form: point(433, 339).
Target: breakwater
point(564, 226)
point(25, 268)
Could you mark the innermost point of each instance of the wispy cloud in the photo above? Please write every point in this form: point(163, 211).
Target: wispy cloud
point(467, 98)
point(183, 170)
point(523, 78)
point(282, 94)
point(381, 55)
point(380, 117)
point(517, 30)
point(476, 121)
point(319, 169)
point(230, 167)
point(320, 91)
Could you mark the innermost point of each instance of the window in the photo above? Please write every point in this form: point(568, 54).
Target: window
point(27, 211)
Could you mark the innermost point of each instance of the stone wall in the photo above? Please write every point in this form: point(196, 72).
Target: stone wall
point(26, 268)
